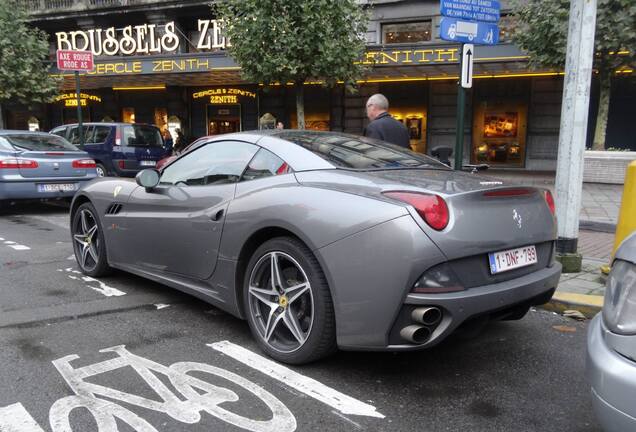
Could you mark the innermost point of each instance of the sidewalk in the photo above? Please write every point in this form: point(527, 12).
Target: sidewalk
point(600, 205)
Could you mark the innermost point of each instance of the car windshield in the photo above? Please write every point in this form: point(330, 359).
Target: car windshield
point(141, 136)
point(39, 142)
point(359, 153)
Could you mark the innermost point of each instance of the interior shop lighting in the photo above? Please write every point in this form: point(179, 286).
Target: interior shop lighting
point(152, 87)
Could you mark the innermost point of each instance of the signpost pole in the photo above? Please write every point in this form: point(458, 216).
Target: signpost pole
point(459, 128)
point(79, 109)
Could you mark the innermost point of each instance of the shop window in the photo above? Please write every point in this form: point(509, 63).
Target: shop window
point(318, 121)
point(174, 124)
point(128, 115)
point(406, 32)
point(500, 135)
point(415, 121)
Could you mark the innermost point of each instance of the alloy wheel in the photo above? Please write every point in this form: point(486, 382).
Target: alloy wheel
point(86, 238)
point(281, 301)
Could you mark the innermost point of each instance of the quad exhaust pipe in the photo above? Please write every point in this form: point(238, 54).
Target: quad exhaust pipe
point(429, 315)
point(416, 334)
point(426, 318)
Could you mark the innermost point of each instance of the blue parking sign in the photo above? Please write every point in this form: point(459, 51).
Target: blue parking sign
point(475, 32)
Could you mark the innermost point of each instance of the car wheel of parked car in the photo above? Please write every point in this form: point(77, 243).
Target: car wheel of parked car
point(288, 303)
point(88, 241)
point(101, 170)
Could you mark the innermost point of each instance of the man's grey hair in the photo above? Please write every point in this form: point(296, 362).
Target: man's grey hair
point(379, 100)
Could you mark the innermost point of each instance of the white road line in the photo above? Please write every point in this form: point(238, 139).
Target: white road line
point(102, 288)
point(19, 247)
point(309, 386)
point(161, 305)
point(8, 242)
point(15, 418)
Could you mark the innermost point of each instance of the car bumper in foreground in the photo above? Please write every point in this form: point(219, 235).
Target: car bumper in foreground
point(613, 380)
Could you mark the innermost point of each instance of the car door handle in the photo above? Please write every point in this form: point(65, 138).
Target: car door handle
point(218, 215)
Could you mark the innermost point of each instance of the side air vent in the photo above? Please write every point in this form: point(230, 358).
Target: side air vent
point(113, 209)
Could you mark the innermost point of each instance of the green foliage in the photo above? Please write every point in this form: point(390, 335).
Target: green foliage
point(542, 29)
point(24, 75)
point(295, 40)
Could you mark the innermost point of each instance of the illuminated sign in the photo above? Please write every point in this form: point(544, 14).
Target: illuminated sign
point(222, 92)
point(411, 57)
point(70, 99)
point(140, 39)
point(228, 99)
point(73, 102)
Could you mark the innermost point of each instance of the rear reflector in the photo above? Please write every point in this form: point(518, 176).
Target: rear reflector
point(509, 192)
point(121, 164)
point(550, 201)
point(17, 163)
point(432, 208)
point(84, 163)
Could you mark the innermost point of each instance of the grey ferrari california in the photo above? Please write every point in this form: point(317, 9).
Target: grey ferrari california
point(323, 240)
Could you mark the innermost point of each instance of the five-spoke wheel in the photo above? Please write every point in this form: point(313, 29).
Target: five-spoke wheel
point(88, 242)
point(288, 303)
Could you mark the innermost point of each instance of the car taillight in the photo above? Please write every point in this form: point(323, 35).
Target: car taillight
point(550, 201)
point(117, 136)
point(432, 208)
point(121, 164)
point(84, 163)
point(14, 163)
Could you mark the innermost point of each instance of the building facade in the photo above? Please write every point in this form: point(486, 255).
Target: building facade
point(164, 62)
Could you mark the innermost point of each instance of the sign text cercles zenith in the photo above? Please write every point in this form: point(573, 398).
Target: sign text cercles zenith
point(140, 39)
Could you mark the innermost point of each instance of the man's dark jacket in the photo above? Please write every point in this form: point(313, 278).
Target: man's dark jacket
point(388, 129)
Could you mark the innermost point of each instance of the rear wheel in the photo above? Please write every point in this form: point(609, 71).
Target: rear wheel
point(101, 170)
point(88, 241)
point(288, 303)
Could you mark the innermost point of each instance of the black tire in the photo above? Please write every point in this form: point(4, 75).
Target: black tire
point(101, 168)
point(321, 337)
point(90, 267)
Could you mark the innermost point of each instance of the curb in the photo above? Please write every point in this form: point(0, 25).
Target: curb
point(597, 226)
point(588, 305)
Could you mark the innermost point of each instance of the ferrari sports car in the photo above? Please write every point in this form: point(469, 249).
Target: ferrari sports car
point(323, 240)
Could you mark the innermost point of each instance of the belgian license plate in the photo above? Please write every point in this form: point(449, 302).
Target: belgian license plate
point(147, 163)
point(57, 187)
point(512, 258)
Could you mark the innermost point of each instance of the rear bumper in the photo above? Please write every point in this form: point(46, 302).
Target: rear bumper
point(613, 381)
point(28, 189)
point(131, 167)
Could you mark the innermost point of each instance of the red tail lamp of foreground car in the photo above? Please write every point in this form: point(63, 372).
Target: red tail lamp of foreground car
point(432, 208)
point(550, 201)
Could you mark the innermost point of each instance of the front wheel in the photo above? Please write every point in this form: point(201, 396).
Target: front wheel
point(88, 241)
point(288, 303)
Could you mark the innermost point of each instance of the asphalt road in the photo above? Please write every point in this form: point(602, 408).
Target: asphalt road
point(526, 375)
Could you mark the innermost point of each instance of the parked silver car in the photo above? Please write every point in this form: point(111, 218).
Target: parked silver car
point(325, 240)
point(611, 346)
point(36, 165)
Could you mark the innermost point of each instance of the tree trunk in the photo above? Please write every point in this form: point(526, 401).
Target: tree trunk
point(603, 111)
point(300, 105)
point(1, 118)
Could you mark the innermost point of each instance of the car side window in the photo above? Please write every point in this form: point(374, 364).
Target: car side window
point(73, 136)
point(59, 132)
point(101, 134)
point(265, 164)
point(219, 162)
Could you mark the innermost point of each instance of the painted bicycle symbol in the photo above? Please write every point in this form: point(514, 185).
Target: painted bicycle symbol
point(195, 395)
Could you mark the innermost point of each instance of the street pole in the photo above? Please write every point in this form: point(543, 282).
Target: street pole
point(79, 109)
point(459, 128)
point(573, 129)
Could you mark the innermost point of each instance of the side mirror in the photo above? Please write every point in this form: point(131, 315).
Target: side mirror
point(148, 178)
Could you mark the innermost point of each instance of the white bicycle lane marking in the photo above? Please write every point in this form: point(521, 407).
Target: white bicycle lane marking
point(14, 245)
point(92, 283)
point(193, 395)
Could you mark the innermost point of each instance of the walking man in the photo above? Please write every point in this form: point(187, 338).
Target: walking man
point(383, 126)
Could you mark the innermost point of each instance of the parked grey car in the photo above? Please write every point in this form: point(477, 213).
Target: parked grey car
point(323, 240)
point(611, 345)
point(37, 165)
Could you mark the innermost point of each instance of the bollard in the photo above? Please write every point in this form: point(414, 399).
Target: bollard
point(627, 215)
